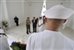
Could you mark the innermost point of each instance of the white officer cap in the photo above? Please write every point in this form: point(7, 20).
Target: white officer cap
point(58, 12)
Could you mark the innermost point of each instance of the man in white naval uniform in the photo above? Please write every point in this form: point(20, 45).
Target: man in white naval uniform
point(40, 24)
point(52, 38)
point(3, 41)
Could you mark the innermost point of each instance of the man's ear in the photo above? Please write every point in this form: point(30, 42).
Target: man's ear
point(45, 19)
point(65, 20)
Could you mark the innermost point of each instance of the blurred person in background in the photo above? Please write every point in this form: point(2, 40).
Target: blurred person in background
point(28, 22)
point(40, 23)
point(16, 20)
point(34, 24)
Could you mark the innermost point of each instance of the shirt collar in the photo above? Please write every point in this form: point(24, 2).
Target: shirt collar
point(51, 31)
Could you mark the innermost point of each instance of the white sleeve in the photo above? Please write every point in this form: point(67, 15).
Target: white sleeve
point(30, 44)
point(73, 45)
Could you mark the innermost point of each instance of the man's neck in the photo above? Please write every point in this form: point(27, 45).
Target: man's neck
point(52, 29)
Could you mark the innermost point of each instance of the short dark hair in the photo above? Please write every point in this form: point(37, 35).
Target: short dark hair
point(40, 17)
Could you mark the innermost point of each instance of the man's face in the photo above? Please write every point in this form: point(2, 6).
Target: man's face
point(33, 17)
point(27, 17)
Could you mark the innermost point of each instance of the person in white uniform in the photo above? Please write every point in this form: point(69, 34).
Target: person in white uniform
point(40, 24)
point(51, 38)
point(3, 41)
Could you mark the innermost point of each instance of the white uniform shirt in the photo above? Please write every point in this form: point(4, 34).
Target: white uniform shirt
point(40, 21)
point(4, 43)
point(49, 40)
point(40, 28)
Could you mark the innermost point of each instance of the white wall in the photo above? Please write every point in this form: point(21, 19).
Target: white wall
point(3, 11)
point(72, 17)
point(0, 12)
point(36, 8)
point(16, 8)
